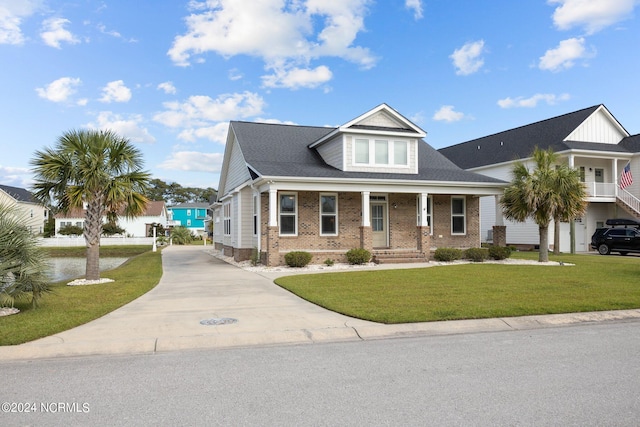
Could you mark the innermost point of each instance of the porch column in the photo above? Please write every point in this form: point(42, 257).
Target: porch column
point(571, 161)
point(423, 229)
point(273, 243)
point(366, 234)
point(614, 168)
point(499, 229)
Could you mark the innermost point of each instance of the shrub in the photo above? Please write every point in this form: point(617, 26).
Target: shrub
point(181, 235)
point(328, 262)
point(447, 254)
point(499, 252)
point(297, 258)
point(255, 257)
point(476, 254)
point(71, 230)
point(358, 256)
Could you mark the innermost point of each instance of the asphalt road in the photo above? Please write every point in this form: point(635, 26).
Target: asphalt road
point(583, 375)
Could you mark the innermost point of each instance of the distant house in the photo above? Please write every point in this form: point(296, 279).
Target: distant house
point(141, 226)
point(190, 215)
point(371, 183)
point(34, 212)
point(591, 140)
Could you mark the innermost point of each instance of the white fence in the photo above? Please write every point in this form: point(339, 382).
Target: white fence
point(104, 241)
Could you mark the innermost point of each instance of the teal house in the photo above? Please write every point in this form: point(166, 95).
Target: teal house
point(191, 215)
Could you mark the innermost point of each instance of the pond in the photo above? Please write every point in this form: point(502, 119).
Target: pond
point(71, 268)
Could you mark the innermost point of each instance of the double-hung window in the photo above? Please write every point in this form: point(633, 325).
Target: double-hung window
point(288, 214)
point(458, 215)
point(226, 215)
point(380, 152)
point(328, 214)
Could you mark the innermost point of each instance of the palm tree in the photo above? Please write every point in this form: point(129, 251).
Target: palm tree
point(23, 263)
point(549, 192)
point(96, 170)
point(570, 197)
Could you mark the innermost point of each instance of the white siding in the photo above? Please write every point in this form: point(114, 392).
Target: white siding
point(597, 128)
point(237, 172)
point(246, 218)
point(332, 153)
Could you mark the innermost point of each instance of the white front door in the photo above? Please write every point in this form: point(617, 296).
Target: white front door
point(581, 235)
point(379, 224)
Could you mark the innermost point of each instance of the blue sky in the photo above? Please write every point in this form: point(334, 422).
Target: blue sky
point(170, 74)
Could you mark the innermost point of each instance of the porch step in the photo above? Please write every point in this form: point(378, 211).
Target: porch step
point(398, 257)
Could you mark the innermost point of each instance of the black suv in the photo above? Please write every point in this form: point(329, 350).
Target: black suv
point(622, 236)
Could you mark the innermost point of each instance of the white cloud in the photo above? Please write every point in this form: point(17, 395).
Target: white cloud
point(235, 74)
point(115, 91)
point(296, 78)
point(167, 87)
point(193, 161)
point(467, 59)
point(53, 32)
point(129, 127)
point(531, 102)
point(286, 35)
point(203, 111)
point(12, 13)
point(59, 90)
point(447, 114)
point(563, 56)
point(592, 15)
point(416, 6)
point(216, 133)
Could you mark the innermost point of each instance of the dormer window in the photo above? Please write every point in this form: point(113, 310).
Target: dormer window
point(383, 152)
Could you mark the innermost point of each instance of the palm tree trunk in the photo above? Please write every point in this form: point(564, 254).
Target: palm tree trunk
point(544, 243)
point(92, 232)
point(556, 237)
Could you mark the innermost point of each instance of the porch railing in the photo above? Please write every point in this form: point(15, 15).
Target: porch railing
point(630, 200)
point(601, 189)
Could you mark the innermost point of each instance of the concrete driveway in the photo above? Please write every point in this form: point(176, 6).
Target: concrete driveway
point(196, 286)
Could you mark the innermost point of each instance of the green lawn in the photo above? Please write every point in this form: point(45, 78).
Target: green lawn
point(473, 291)
point(70, 306)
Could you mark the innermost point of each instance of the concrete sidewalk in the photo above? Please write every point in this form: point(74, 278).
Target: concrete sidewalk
point(196, 286)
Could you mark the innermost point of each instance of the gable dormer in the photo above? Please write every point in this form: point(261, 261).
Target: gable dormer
point(600, 127)
point(381, 140)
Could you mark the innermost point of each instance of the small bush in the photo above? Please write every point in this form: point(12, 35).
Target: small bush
point(329, 262)
point(358, 256)
point(255, 257)
point(476, 254)
point(297, 258)
point(447, 254)
point(499, 252)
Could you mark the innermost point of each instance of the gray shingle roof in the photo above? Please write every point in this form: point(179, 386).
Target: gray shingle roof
point(631, 143)
point(20, 194)
point(520, 142)
point(282, 150)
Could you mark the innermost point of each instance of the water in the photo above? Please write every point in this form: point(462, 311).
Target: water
point(72, 268)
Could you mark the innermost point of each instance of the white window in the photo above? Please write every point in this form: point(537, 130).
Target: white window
point(188, 223)
point(188, 212)
point(255, 215)
point(362, 151)
point(288, 214)
point(328, 214)
point(226, 216)
point(380, 152)
point(458, 215)
point(429, 204)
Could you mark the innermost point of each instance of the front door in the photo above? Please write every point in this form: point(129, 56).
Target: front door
point(379, 224)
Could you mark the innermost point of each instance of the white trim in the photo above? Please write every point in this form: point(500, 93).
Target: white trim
point(464, 215)
point(424, 215)
point(295, 213)
point(391, 142)
point(321, 213)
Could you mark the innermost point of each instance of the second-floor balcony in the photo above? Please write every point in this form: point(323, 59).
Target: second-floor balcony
point(601, 189)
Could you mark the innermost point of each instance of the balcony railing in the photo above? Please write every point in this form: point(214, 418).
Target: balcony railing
point(600, 189)
point(630, 200)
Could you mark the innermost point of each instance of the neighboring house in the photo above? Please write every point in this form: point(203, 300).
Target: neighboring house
point(190, 215)
point(141, 226)
point(35, 213)
point(371, 183)
point(591, 140)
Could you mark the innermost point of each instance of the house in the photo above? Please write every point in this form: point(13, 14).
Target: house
point(141, 226)
point(34, 212)
point(591, 140)
point(190, 215)
point(371, 183)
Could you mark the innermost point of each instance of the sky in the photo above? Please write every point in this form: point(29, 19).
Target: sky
point(169, 75)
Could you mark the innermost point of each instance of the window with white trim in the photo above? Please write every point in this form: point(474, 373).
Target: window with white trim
point(380, 152)
point(429, 204)
point(328, 214)
point(288, 212)
point(226, 216)
point(188, 223)
point(255, 215)
point(188, 212)
point(458, 215)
